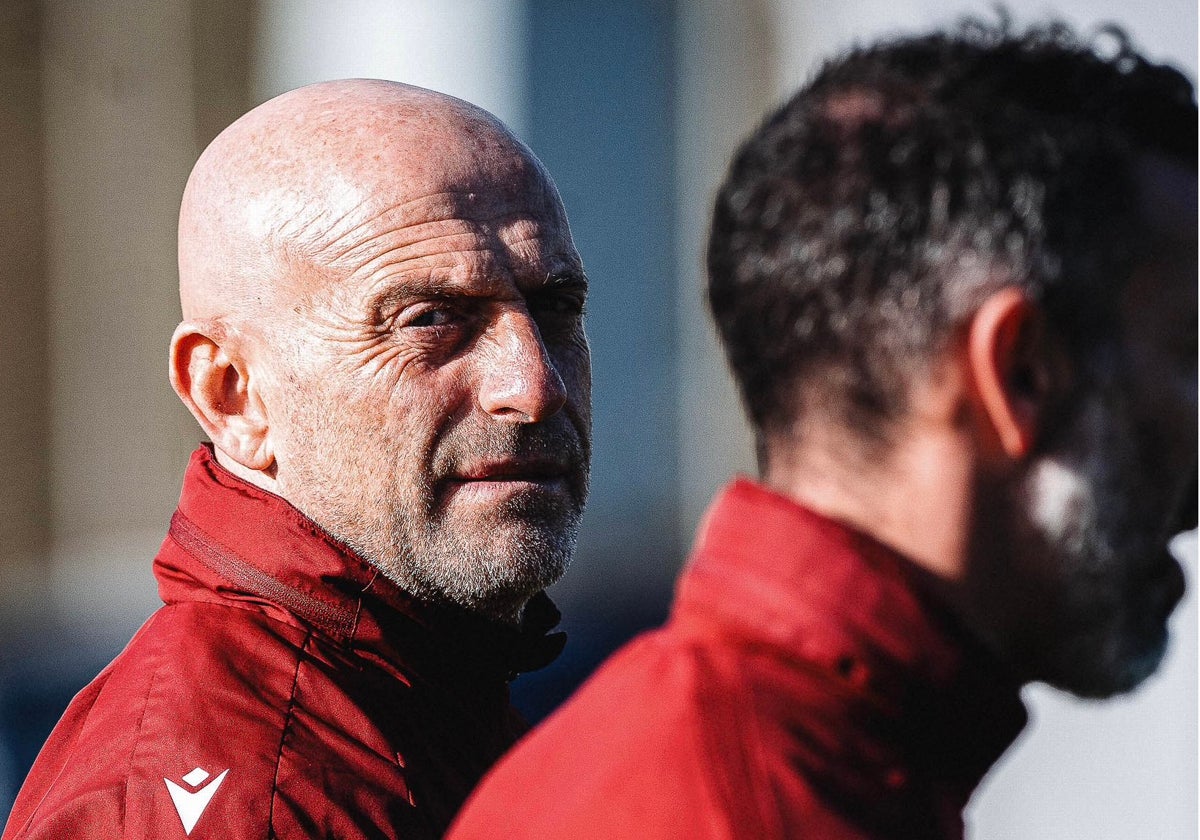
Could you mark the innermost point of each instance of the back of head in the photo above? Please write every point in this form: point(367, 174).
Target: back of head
point(873, 211)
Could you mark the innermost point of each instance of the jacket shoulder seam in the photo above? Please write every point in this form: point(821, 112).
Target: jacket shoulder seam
point(288, 717)
point(722, 699)
point(137, 739)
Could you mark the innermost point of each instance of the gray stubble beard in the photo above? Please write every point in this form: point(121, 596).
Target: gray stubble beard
point(475, 569)
point(415, 541)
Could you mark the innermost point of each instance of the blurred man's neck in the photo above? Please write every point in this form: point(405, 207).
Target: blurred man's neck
point(914, 494)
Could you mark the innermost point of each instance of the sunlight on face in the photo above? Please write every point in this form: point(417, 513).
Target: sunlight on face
point(434, 410)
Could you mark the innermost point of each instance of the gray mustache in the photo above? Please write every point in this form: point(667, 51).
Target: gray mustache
point(555, 442)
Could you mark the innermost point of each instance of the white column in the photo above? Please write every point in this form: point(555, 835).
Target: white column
point(726, 74)
point(472, 49)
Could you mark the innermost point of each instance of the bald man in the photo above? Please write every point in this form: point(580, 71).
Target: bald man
point(382, 337)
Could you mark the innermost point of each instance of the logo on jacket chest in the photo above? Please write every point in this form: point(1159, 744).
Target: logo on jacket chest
point(190, 804)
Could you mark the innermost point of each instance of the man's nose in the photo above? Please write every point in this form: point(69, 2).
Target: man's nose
point(520, 383)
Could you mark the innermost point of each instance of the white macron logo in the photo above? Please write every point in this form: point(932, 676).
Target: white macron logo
point(191, 804)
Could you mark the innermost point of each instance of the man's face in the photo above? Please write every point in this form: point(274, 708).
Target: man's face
point(1097, 510)
point(429, 392)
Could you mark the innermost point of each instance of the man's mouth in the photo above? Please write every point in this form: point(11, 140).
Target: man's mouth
point(513, 469)
point(516, 468)
point(494, 480)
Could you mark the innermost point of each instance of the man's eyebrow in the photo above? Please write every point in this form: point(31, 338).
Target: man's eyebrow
point(419, 289)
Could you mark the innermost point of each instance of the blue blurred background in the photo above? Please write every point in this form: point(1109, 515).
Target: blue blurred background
point(634, 106)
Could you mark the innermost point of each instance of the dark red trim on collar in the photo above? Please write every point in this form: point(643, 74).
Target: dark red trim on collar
point(233, 568)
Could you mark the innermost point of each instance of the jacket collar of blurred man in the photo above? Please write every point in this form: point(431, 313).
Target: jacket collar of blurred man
point(955, 278)
point(383, 338)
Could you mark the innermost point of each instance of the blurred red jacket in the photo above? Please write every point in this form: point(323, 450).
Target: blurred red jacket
point(801, 689)
point(286, 689)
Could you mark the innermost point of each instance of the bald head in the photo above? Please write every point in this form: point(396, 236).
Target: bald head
point(286, 188)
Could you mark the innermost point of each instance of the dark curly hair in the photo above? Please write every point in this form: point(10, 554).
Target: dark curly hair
point(876, 209)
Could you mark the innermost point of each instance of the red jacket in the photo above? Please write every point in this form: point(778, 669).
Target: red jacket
point(285, 690)
point(801, 689)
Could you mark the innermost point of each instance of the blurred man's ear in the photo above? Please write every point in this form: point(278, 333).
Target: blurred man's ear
point(1014, 366)
point(214, 382)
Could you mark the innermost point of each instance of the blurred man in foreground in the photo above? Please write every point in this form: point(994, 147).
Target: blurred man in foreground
point(955, 277)
point(383, 340)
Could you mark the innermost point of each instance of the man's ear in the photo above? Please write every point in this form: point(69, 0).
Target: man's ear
point(213, 380)
point(1014, 366)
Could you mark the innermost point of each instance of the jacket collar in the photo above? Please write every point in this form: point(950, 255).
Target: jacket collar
point(775, 574)
point(231, 540)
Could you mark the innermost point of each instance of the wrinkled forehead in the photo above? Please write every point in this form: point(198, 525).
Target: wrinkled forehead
point(310, 176)
point(416, 168)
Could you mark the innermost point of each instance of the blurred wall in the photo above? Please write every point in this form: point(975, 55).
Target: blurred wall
point(119, 142)
point(726, 83)
point(24, 368)
point(106, 105)
point(113, 111)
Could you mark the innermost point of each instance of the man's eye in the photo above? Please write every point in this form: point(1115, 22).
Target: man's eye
point(432, 318)
point(557, 305)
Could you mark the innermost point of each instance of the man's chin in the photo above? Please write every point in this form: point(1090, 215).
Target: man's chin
point(1095, 669)
point(490, 561)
